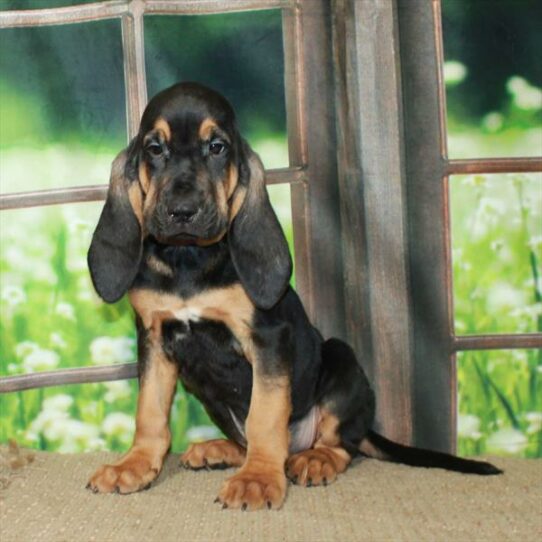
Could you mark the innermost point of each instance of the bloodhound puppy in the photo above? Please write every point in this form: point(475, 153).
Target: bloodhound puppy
point(188, 232)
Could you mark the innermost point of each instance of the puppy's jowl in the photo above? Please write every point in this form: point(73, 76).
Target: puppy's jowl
point(188, 232)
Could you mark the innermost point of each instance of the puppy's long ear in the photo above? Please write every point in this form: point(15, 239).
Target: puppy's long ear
point(115, 251)
point(257, 244)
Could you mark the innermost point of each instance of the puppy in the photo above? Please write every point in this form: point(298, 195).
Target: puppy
point(188, 232)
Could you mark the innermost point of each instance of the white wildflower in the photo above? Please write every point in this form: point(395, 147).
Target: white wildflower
point(59, 402)
point(535, 422)
point(519, 357)
point(460, 326)
point(492, 206)
point(528, 314)
point(493, 121)
point(503, 295)
point(40, 360)
point(50, 422)
point(455, 72)
point(57, 340)
point(13, 296)
point(110, 350)
point(507, 440)
point(119, 425)
point(468, 426)
point(77, 436)
point(85, 291)
point(65, 310)
point(78, 226)
point(535, 242)
point(477, 181)
point(26, 347)
point(116, 391)
point(525, 95)
point(90, 409)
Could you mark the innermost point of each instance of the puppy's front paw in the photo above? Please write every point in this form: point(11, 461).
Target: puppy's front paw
point(133, 473)
point(252, 489)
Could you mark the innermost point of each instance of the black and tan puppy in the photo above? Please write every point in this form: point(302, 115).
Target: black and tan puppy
point(188, 231)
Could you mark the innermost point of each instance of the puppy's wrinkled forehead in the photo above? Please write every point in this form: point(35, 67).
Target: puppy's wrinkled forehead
point(186, 112)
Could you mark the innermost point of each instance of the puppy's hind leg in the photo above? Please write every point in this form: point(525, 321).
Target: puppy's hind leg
point(346, 415)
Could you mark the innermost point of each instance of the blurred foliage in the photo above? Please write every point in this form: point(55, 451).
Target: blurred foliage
point(500, 403)
point(494, 40)
point(74, 73)
point(62, 119)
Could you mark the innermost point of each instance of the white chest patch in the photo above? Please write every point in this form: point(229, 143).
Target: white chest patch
point(188, 314)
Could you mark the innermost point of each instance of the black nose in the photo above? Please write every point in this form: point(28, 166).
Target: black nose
point(182, 212)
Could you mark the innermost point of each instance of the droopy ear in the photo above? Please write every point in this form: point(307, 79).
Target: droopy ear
point(257, 244)
point(115, 251)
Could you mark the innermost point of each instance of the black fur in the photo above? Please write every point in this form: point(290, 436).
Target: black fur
point(257, 244)
point(115, 252)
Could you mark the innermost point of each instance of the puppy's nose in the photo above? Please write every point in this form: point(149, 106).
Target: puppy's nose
point(182, 212)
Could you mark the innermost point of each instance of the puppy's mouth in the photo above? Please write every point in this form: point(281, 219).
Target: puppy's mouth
point(181, 239)
point(184, 239)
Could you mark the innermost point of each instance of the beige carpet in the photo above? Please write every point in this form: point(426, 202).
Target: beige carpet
point(45, 500)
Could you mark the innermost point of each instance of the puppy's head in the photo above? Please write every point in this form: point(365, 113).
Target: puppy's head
point(188, 178)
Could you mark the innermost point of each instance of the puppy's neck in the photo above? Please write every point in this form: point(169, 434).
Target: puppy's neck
point(176, 268)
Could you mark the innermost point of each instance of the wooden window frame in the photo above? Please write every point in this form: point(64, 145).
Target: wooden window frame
point(369, 176)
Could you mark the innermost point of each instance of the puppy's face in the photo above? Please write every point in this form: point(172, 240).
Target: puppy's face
point(187, 152)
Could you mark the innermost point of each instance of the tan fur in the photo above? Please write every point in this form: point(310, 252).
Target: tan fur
point(328, 429)
point(150, 201)
point(261, 481)
point(229, 305)
point(321, 464)
point(162, 125)
point(144, 179)
point(136, 201)
point(206, 129)
point(230, 183)
point(213, 453)
point(159, 266)
point(221, 199)
point(237, 202)
point(142, 464)
point(267, 420)
point(213, 240)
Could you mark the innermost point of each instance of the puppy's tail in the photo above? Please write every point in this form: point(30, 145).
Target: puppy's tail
point(379, 447)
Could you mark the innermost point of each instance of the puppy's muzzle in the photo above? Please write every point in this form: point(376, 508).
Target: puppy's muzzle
point(182, 212)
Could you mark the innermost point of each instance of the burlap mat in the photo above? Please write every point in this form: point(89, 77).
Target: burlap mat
point(46, 501)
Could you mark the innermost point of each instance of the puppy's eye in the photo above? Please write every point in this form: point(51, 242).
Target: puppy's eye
point(154, 149)
point(216, 147)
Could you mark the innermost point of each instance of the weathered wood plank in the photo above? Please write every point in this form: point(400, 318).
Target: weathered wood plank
point(313, 119)
point(373, 204)
point(434, 399)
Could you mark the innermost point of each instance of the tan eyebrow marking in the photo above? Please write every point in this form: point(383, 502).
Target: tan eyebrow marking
point(162, 125)
point(206, 128)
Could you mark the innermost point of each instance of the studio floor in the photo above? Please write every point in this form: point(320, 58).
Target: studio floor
point(45, 500)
